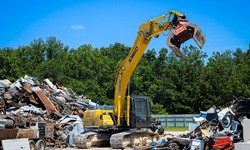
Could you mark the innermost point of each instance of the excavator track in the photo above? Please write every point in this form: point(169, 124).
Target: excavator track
point(133, 139)
point(92, 139)
point(126, 139)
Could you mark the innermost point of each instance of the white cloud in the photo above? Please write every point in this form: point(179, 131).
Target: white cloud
point(77, 27)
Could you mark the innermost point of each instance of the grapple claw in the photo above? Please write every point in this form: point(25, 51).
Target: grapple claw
point(183, 32)
point(198, 36)
point(174, 44)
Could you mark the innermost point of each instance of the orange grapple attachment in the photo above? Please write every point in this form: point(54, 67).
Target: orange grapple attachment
point(183, 31)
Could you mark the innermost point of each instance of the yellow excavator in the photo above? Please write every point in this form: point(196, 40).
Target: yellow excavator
point(127, 123)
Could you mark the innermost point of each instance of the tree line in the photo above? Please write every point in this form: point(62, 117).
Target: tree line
point(172, 84)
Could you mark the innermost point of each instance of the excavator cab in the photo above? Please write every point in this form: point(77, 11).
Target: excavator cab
point(182, 32)
point(140, 112)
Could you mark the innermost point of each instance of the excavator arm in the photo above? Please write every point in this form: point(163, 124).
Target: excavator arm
point(182, 32)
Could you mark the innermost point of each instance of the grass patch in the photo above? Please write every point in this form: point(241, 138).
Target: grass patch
point(176, 128)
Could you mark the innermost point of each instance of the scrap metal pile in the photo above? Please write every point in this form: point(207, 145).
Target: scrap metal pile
point(27, 101)
point(216, 128)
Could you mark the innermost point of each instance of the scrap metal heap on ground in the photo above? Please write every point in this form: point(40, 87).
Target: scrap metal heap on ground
point(53, 110)
point(216, 128)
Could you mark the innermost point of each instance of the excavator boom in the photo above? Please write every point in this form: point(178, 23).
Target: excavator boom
point(182, 31)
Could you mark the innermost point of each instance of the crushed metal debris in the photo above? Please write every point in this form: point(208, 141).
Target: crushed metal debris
point(46, 114)
point(216, 128)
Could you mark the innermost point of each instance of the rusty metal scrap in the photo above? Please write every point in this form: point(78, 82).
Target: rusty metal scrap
point(47, 103)
point(55, 99)
point(33, 109)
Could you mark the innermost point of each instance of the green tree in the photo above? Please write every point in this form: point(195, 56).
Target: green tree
point(5, 63)
point(220, 69)
point(158, 109)
point(174, 85)
point(54, 48)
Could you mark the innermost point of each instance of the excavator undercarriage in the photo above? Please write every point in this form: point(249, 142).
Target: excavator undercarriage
point(120, 140)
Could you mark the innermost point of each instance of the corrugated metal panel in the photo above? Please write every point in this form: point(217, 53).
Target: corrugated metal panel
point(179, 124)
point(174, 120)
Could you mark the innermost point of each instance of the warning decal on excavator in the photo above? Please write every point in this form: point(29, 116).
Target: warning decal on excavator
point(133, 54)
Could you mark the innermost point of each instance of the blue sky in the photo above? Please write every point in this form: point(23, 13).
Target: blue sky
point(104, 22)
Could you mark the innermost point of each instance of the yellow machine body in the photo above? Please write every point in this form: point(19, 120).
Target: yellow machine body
point(97, 118)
